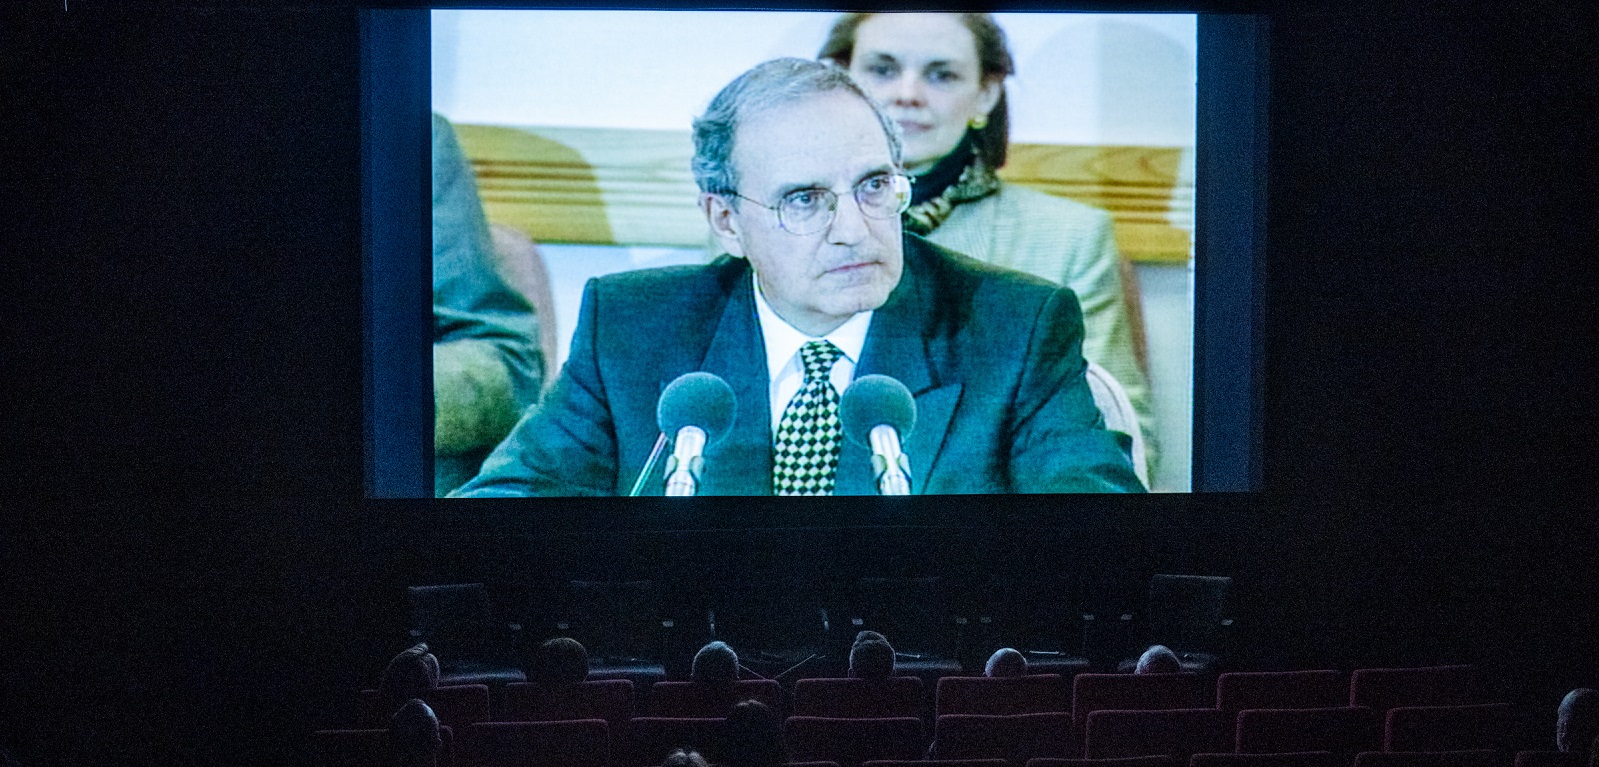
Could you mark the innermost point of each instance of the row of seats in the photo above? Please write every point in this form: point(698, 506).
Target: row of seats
point(1033, 740)
point(1375, 691)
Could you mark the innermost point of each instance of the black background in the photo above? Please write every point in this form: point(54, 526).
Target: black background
point(191, 572)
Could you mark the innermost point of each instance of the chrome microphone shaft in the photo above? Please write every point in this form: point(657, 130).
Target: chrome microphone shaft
point(888, 462)
point(683, 470)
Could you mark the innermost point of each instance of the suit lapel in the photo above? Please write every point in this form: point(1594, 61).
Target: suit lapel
point(742, 463)
point(901, 344)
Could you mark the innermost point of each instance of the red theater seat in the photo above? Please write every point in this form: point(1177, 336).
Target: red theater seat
point(577, 743)
point(1449, 728)
point(1236, 691)
point(1474, 758)
point(1014, 739)
point(1003, 696)
point(1135, 692)
point(455, 706)
point(896, 696)
point(653, 737)
point(1178, 733)
point(1551, 759)
point(1381, 689)
point(1126, 761)
point(1345, 730)
point(607, 699)
point(691, 699)
point(937, 763)
point(1298, 759)
point(852, 742)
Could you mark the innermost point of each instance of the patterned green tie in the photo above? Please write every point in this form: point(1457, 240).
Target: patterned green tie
point(809, 436)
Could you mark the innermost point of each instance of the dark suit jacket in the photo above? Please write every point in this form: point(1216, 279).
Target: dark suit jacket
point(993, 358)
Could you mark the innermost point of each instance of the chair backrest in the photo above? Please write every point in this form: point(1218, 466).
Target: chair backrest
point(1015, 739)
point(460, 705)
point(692, 699)
point(1178, 733)
point(607, 699)
point(895, 696)
point(1141, 692)
point(1117, 408)
point(1345, 730)
point(1385, 688)
point(1551, 759)
point(1001, 696)
point(1298, 759)
point(653, 737)
point(1238, 690)
point(1472, 758)
point(1124, 761)
point(851, 742)
point(1449, 728)
point(1186, 611)
point(935, 763)
point(577, 743)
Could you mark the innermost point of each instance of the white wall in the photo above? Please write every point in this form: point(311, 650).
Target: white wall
point(1090, 79)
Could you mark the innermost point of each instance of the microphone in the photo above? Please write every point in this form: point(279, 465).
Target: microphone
point(876, 411)
point(697, 411)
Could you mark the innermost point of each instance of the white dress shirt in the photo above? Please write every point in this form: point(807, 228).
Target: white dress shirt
point(783, 341)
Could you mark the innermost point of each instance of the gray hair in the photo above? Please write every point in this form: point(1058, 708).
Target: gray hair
point(767, 85)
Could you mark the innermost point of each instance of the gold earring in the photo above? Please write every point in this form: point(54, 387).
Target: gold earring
point(979, 122)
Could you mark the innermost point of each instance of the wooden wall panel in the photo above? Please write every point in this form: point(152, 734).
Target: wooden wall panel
point(633, 187)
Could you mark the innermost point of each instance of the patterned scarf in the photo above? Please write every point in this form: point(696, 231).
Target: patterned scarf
point(961, 176)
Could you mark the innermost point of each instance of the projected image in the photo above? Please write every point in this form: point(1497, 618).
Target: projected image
point(718, 253)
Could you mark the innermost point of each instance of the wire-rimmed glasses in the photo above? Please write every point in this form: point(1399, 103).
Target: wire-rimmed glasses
point(808, 211)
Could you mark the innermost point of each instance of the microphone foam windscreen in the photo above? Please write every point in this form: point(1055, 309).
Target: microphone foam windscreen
point(875, 400)
point(697, 399)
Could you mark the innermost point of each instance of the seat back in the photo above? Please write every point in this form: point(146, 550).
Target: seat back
point(1449, 728)
point(608, 699)
point(455, 706)
point(692, 699)
point(1473, 758)
point(1299, 759)
point(1551, 759)
point(1015, 739)
point(934, 763)
point(897, 696)
point(1178, 733)
point(1345, 730)
point(653, 737)
point(577, 743)
point(1186, 611)
point(1125, 761)
point(1381, 689)
point(1002, 696)
point(851, 742)
point(1238, 690)
point(1135, 692)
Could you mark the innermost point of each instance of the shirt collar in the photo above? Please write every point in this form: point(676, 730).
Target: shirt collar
point(783, 340)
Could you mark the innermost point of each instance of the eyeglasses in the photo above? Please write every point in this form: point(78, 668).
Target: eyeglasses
point(808, 211)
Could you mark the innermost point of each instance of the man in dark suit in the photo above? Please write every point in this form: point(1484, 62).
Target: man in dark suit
point(801, 181)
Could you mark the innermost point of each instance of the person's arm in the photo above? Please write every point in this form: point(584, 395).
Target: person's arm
point(1059, 443)
point(1095, 275)
point(487, 365)
point(566, 446)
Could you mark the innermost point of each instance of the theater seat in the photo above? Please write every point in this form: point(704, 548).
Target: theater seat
point(1344, 730)
point(580, 743)
point(1014, 739)
point(1298, 759)
point(1381, 689)
point(1130, 692)
point(1178, 733)
point(692, 699)
point(1001, 696)
point(852, 742)
point(1473, 758)
point(1449, 728)
point(1126, 761)
point(859, 698)
point(1236, 691)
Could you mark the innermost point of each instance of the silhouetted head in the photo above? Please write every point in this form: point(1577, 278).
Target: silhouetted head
point(1577, 724)
point(414, 733)
point(869, 636)
point(715, 663)
point(752, 736)
point(559, 662)
point(684, 758)
point(407, 676)
point(871, 659)
point(1005, 662)
point(1158, 659)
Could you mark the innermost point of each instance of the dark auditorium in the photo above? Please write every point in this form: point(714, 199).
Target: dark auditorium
point(1223, 360)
